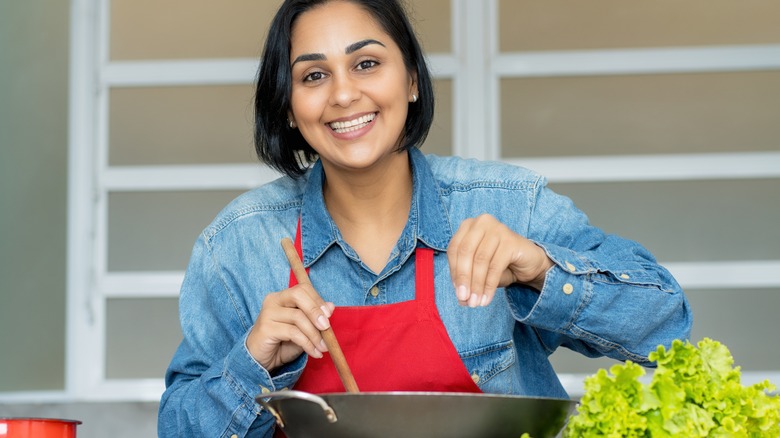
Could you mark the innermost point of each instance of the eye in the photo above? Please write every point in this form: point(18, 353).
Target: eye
point(314, 76)
point(367, 64)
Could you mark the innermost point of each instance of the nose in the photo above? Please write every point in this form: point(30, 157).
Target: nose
point(345, 91)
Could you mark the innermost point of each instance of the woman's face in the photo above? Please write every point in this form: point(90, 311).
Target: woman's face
point(350, 87)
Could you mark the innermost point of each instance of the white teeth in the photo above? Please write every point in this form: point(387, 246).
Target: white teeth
point(352, 125)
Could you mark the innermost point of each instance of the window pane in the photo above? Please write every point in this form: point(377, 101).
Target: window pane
point(566, 25)
point(431, 20)
point(203, 29)
point(687, 221)
point(139, 351)
point(439, 139)
point(155, 231)
point(150, 29)
point(642, 114)
point(748, 330)
point(181, 125)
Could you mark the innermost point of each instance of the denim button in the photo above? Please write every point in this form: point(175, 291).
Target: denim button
point(624, 276)
point(570, 267)
point(264, 390)
point(374, 291)
point(568, 288)
point(475, 377)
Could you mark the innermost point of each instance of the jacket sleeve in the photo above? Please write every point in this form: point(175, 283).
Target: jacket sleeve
point(212, 381)
point(605, 295)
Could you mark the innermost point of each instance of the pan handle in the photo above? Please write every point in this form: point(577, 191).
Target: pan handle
point(330, 414)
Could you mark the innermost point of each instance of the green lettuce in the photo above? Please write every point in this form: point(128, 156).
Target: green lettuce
point(694, 392)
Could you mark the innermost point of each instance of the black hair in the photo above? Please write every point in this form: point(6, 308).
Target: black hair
point(284, 148)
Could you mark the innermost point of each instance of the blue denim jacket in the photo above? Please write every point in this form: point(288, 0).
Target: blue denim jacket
point(604, 296)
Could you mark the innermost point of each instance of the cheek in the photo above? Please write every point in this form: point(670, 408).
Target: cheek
point(301, 105)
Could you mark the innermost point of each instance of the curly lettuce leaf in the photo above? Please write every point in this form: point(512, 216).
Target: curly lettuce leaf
point(694, 392)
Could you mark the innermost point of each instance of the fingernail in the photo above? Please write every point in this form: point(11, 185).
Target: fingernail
point(326, 311)
point(317, 354)
point(323, 323)
point(474, 300)
point(463, 293)
point(323, 346)
point(484, 301)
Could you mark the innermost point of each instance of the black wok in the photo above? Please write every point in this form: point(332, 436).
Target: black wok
point(415, 414)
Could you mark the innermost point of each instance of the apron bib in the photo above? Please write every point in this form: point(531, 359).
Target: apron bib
point(392, 347)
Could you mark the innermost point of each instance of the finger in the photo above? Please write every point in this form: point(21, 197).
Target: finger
point(498, 272)
point(461, 291)
point(483, 267)
point(278, 310)
point(305, 298)
point(464, 259)
point(297, 318)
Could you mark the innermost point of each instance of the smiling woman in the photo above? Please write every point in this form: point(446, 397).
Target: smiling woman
point(436, 274)
point(277, 145)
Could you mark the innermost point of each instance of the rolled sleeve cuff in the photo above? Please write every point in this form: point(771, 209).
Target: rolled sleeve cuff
point(249, 379)
point(567, 288)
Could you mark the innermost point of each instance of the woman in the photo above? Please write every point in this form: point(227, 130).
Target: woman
point(436, 274)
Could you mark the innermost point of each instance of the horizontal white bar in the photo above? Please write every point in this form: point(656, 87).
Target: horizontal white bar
point(34, 397)
point(575, 383)
point(213, 71)
point(141, 284)
point(142, 390)
point(560, 169)
point(743, 275)
point(655, 167)
point(442, 66)
point(191, 177)
point(727, 274)
point(638, 61)
point(182, 72)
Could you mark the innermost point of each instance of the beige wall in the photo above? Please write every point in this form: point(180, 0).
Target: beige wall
point(33, 165)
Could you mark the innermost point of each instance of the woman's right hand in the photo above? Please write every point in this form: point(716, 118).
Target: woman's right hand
point(289, 324)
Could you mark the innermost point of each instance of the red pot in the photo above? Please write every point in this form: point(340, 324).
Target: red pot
point(37, 428)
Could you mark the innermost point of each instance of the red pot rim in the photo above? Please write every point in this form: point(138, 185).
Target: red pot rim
point(43, 420)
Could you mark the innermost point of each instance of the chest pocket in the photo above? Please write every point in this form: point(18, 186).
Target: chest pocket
point(484, 363)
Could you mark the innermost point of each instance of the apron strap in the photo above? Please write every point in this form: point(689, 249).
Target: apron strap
point(299, 249)
point(424, 275)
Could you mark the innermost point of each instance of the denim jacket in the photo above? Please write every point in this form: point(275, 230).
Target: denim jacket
point(604, 296)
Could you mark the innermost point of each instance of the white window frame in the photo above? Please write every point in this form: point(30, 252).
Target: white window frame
point(475, 66)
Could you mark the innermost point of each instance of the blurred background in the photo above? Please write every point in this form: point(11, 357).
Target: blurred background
point(125, 126)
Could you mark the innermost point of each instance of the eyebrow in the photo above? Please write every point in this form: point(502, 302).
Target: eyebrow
point(354, 47)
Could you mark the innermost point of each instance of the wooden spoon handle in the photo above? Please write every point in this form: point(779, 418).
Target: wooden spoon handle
point(330, 338)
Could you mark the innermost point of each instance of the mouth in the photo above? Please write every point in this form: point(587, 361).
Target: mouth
point(352, 125)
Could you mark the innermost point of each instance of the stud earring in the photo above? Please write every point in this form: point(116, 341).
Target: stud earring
point(414, 98)
point(291, 123)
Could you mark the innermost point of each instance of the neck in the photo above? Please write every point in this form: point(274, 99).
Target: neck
point(370, 196)
point(371, 208)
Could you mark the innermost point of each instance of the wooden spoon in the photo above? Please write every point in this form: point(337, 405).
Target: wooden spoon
point(330, 338)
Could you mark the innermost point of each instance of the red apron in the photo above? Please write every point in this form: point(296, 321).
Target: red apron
point(392, 347)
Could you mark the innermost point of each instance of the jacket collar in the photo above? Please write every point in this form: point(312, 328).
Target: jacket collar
point(427, 226)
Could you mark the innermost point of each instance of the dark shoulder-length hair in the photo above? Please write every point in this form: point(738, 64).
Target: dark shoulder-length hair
point(284, 148)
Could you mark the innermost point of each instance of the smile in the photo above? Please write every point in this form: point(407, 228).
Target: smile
point(352, 125)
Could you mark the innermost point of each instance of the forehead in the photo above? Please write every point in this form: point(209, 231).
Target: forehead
point(333, 26)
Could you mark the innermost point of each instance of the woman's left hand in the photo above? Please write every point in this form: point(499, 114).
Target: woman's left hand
point(485, 254)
